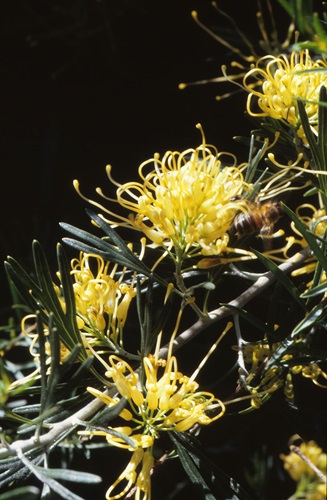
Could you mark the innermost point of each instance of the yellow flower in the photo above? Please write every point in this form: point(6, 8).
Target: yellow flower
point(102, 302)
point(309, 484)
point(187, 200)
point(165, 401)
point(283, 80)
point(130, 477)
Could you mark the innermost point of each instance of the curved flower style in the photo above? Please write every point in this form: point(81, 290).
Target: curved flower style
point(29, 329)
point(310, 485)
point(166, 401)
point(138, 472)
point(315, 219)
point(284, 80)
point(102, 303)
point(270, 43)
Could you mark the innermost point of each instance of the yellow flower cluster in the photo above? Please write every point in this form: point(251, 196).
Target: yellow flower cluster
point(187, 201)
point(310, 485)
point(102, 303)
point(256, 354)
point(166, 401)
point(282, 81)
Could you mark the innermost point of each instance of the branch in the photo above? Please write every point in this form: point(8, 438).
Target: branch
point(57, 429)
point(309, 463)
point(71, 422)
point(261, 284)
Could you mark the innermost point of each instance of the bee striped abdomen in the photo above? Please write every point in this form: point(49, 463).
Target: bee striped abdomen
point(247, 223)
point(260, 218)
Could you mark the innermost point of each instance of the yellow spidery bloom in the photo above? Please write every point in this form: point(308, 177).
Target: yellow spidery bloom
point(102, 301)
point(168, 400)
point(187, 200)
point(309, 484)
point(284, 79)
point(165, 401)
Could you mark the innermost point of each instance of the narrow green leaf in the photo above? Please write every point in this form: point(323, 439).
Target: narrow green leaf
point(316, 314)
point(42, 296)
point(23, 493)
point(145, 319)
point(317, 290)
point(214, 484)
point(47, 296)
point(41, 474)
point(24, 284)
point(310, 136)
point(251, 318)
point(73, 476)
point(55, 372)
point(43, 362)
point(70, 335)
point(288, 6)
point(17, 471)
point(107, 414)
point(281, 277)
point(322, 137)
point(129, 441)
point(192, 469)
point(151, 320)
point(67, 288)
point(118, 253)
point(72, 357)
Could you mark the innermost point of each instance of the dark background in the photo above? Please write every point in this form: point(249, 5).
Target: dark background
point(87, 83)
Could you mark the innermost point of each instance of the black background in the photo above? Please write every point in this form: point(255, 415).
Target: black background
point(87, 83)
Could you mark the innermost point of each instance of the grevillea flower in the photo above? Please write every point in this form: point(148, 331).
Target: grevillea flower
point(186, 200)
point(102, 298)
point(257, 379)
point(283, 80)
point(301, 464)
point(166, 400)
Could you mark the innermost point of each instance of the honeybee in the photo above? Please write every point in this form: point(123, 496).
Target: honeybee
point(259, 218)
